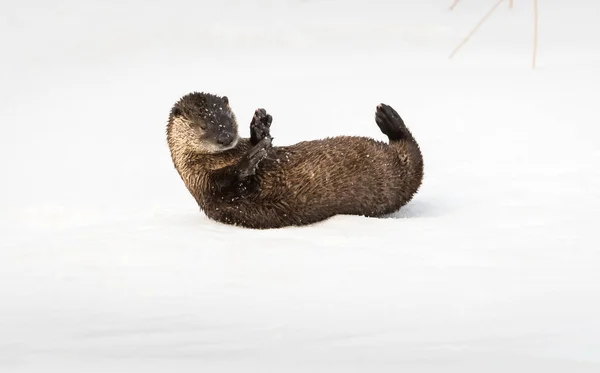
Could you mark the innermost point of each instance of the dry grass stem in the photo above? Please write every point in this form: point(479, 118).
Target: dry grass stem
point(535, 31)
point(477, 27)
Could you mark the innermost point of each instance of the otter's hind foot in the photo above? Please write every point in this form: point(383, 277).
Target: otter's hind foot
point(260, 126)
point(390, 123)
point(247, 167)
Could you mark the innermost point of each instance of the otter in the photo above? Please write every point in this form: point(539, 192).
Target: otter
point(250, 183)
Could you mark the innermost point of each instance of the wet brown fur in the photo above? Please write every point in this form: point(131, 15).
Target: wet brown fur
point(299, 184)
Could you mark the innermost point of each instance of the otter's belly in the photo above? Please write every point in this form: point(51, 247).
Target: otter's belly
point(351, 176)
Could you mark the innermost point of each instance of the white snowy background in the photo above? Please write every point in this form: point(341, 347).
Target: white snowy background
point(106, 264)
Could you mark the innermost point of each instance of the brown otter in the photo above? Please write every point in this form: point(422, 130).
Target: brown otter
point(249, 183)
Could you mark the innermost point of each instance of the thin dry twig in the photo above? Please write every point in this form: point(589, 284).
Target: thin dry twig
point(477, 27)
point(454, 4)
point(535, 31)
point(511, 3)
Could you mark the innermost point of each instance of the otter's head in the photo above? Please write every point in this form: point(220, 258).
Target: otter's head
point(203, 123)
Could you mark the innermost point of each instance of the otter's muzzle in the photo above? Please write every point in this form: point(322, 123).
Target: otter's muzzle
point(225, 139)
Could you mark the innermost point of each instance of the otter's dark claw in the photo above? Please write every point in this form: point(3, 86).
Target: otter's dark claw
point(390, 122)
point(248, 165)
point(260, 126)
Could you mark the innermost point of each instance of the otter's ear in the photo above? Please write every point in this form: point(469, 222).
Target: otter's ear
point(226, 99)
point(176, 112)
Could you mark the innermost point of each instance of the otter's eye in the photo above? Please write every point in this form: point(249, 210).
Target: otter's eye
point(177, 112)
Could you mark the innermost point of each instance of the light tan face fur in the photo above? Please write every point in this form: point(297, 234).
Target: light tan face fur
point(193, 138)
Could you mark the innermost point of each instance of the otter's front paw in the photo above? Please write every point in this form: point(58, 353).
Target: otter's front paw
point(248, 165)
point(260, 126)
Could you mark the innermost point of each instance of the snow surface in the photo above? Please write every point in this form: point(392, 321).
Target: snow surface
point(106, 264)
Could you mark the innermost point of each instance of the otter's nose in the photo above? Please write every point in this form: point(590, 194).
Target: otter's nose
point(225, 139)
